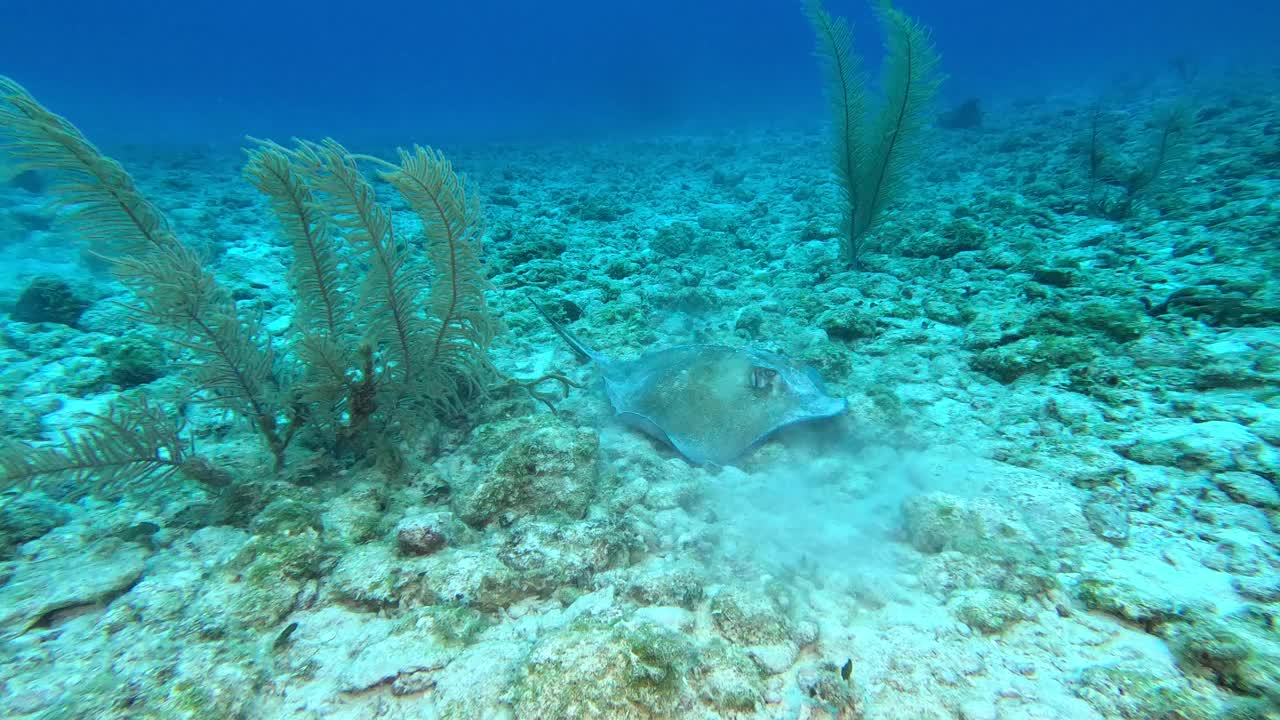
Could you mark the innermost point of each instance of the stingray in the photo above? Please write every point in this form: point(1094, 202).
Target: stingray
point(712, 403)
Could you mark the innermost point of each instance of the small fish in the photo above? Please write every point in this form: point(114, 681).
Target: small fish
point(846, 670)
point(283, 638)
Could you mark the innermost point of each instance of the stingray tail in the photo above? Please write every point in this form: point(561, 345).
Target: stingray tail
point(572, 340)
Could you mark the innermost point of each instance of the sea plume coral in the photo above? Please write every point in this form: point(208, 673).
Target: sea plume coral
point(358, 369)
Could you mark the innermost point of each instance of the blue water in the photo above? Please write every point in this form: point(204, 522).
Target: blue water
point(210, 72)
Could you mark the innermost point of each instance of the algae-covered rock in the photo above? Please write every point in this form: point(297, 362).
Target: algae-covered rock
point(1107, 513)
point(1240, 652)
point(750, 618)
point(987, 611)
point(938, 521)
point(661, 583)
point(473, 578)
point(974, 544)
point(399, 656)
point(728, 678)
point(1007, 363)
point(50, 299)
point(1216, 445)
point(423, 533)
point(27, 516)
point(1145, 606)
point(761, 623)
point(357, 516)
point(628, 672)
point(828, 693)
point(367, 575)
point(1249, 488)
point(527, 467)
point(92, 577)
point(549, 556)
point(1131, 692)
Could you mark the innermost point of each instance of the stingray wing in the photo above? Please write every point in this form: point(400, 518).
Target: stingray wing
point(714, 403)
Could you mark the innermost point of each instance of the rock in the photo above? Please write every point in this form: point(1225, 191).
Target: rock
point(661, 583)
point(1131, 691)
point(1144, 606)
point(94, 577)
point(1107, 515)
point(51, 300)
point(367, 575)
point(1237, 651)
point(548, 556)
point(526, 468)
point(938, 521)
point(1265, 588)
point(672, 618)
point(827, 689)
point(472, 578)
point(26, 517)
point(674, 240)
point(749, 618)
point(624, 672)
point(987, 611)
point(1217, 446)
point(423, 534)
point(730, 678)
point(1249, 488)
point(392, 657)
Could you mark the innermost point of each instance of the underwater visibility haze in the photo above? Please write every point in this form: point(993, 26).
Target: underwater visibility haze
point(776, 359)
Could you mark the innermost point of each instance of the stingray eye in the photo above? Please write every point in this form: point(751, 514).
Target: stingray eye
point(762, 377)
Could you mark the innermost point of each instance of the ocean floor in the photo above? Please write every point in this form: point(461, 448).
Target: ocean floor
point(1056, 493)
